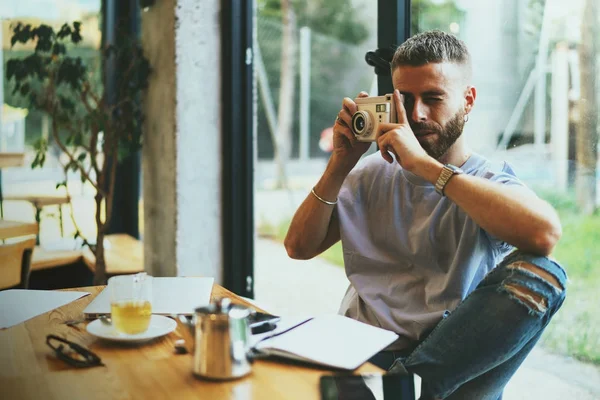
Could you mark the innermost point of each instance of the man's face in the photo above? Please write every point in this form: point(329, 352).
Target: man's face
point(436, 99)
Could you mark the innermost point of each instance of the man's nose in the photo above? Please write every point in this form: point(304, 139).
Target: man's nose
point(419, 111)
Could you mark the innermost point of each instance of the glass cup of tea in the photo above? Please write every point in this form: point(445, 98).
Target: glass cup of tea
point(130, 302)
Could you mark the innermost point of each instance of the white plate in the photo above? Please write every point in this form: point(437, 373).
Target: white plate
point(159, 326)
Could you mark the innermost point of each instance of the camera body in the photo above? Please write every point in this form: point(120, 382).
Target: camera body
point(371, 111)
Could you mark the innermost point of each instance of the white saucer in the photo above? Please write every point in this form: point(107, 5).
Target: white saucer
point(159, 326)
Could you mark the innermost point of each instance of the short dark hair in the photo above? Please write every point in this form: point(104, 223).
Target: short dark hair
point(432, 47)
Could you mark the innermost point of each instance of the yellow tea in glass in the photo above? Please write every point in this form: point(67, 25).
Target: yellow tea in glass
point(131, 316)
point(131, 302)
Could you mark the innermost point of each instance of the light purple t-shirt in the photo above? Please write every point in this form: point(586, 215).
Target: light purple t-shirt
point(409, 253)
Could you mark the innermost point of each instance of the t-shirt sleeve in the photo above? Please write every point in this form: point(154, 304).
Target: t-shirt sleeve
point(506, 176)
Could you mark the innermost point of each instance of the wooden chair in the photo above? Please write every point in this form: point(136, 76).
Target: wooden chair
point(15, 263)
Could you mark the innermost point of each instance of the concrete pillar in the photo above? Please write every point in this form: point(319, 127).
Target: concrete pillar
point(181, 165)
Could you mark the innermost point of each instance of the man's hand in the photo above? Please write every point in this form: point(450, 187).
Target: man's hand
point(400, 140)
point(346, 149)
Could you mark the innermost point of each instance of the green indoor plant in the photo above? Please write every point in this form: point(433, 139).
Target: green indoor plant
point(95, 132)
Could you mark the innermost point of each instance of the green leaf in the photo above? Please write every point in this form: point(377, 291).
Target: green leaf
point(67, 103)
point(76, 37)
point(78, 139)
point(82, 157)
point(64, 31)
point(45, 36)
point(40, 145)
point(58, 49)
point(21, 34)
point(24, 90)
point(11, 66)
point(61, 184)
point(16, 88)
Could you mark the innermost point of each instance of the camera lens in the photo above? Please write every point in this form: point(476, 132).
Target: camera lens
point(361, 124)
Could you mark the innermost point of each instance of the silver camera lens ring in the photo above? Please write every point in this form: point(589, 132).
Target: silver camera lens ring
point(361, 123)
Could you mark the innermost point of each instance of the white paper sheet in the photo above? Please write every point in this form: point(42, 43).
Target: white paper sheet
point(19, 305)
point(331, 340)
point(178, 295)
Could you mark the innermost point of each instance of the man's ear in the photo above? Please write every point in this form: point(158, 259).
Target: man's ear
point(470, 95)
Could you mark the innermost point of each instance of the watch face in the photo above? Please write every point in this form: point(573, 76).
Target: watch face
point(453, 168)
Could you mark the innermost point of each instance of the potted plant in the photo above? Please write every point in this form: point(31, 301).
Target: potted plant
point(93, 131)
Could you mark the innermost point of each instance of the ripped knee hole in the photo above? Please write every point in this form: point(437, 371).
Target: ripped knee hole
point(545, 275)
point(528, 296)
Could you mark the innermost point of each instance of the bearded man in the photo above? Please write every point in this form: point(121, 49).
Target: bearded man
point(440, 246)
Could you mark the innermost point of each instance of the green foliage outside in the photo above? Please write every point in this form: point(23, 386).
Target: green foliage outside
point(335, 18)
point(575, 329)
point(426, 15)
point(337, 66)
point(33, 123)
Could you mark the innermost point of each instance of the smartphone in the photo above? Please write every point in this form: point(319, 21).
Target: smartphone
point(262, 322)
point(367, 387)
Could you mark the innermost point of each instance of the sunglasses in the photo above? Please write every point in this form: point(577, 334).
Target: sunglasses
point(72, 353)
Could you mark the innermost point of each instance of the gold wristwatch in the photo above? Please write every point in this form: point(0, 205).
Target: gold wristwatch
point(448, 172)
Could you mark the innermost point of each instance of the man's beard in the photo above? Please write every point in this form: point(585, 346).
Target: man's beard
point(446, 136)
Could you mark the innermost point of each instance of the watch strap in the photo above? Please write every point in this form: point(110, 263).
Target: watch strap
point(448, 171)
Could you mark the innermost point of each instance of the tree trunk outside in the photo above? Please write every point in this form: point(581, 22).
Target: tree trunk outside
point(587, 133)
point(286, 92)
point(100, 267)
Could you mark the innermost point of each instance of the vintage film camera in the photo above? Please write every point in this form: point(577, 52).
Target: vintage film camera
point(371, 112)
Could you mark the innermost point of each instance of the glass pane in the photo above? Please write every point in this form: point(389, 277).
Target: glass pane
point(536, 71)
point(300, 92)
point(22, 127)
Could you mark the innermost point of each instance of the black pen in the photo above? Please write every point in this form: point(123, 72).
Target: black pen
point(279, 333)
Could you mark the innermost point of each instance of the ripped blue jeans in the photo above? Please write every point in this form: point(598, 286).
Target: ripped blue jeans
point(474, 351)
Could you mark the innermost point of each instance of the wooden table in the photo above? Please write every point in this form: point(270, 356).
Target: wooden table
point(123, 254)
point(8, 160)
point(9, 229)
point(47, 259)
point(29, 370)
point(11, 159)
point(39, 201)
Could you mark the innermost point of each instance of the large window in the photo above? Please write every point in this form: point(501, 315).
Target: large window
point(22, 128)
point(305, 63)
point(536, 74)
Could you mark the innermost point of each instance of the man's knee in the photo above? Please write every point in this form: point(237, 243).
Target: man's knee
point(536, 287)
